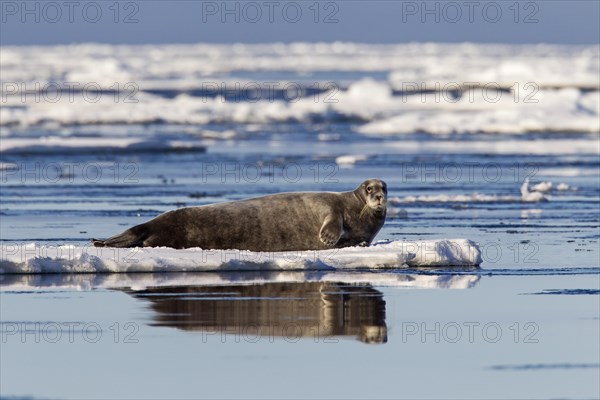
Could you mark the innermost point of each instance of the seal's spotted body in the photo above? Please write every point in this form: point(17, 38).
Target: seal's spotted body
point(280, 222)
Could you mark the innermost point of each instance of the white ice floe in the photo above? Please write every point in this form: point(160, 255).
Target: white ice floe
point(349, 160)
point(32, 258)
point(542, 187)
point(562, 187)
point(530, 197)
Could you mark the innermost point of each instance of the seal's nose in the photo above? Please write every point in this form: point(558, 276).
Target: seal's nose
point(379, 198)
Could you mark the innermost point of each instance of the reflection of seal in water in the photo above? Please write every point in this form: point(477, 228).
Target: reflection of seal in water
point(289, 310)
point(281, 222)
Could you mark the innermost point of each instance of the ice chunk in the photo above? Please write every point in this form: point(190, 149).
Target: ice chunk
point(32, 258)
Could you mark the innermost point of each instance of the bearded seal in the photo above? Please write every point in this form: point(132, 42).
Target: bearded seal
point(292, 221)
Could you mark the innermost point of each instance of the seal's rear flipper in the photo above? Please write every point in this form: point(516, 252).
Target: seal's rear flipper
point(133, 237)
point(98, 243)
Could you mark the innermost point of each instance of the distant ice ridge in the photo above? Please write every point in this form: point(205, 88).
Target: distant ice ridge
point(554, 100)
point(563, 110)
point(366, 101)
point(33, 258)
point(190, 64)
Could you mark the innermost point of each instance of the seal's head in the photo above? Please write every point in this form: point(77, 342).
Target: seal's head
point(373, 334)
point(374, 193)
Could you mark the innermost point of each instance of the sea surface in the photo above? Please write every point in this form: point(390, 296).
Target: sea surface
point(525, 324)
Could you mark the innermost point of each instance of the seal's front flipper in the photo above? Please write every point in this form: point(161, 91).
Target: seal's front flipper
point(331, 231)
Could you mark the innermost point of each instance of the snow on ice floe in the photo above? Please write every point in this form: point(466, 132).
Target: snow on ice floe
point(555, 103)
point(32, 258)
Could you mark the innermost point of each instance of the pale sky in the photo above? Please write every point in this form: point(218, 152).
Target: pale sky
point(148, 21)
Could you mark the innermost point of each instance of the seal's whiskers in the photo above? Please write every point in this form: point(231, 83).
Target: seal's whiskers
point(365, 210)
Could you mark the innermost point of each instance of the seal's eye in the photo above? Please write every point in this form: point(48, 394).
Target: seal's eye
point(369, 189)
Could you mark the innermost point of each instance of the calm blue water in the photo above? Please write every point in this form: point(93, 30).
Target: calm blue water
point(525, 325)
